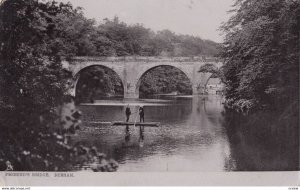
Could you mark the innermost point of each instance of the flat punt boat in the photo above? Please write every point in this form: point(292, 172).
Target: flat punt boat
point(145, 124)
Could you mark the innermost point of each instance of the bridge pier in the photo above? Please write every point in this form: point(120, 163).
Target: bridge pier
point(195, 90)
point(131, 91)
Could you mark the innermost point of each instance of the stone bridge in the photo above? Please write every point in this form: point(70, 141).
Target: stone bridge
point(132, 69)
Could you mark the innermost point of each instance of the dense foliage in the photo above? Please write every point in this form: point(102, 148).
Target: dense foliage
point(165, 79)
point(116, 38)
point(261, 52)
point(37, 118)
point(97, 82)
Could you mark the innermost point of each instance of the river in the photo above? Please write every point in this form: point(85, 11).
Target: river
point(191, 137)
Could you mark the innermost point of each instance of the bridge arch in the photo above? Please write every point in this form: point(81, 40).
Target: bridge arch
point(141, 74)
point(79, 72)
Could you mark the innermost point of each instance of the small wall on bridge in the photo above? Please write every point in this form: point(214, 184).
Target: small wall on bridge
point(131, 69)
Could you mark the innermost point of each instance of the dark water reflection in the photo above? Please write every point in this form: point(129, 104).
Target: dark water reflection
point(192, 136)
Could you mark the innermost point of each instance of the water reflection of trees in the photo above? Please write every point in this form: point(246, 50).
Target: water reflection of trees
point(263, 141)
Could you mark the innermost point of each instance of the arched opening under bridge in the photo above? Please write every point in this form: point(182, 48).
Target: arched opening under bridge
point(97, 82)
point(164, 80)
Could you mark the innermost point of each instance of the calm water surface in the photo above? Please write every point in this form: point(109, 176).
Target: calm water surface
point(191, 136)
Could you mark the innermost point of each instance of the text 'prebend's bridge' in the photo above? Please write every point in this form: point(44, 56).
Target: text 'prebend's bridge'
point(131, 69)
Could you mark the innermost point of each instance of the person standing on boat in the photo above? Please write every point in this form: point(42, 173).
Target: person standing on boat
point(128, 113)
point(141, 112)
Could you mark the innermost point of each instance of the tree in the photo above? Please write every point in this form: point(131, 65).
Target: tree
point(261, 75)
point(75, 34)
point(261, 52)
point(37, 117)
point(210, 68)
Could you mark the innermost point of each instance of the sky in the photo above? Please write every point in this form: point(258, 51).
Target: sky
point(200, 18)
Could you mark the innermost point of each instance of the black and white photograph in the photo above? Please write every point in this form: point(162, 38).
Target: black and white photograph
point(142, 86)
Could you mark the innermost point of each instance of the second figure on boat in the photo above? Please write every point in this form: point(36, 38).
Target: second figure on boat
point(141, 112)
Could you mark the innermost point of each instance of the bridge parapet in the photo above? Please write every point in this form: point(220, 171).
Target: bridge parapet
point(145, 59)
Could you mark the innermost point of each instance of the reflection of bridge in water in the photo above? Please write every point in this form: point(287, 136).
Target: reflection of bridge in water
point(132, 69)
